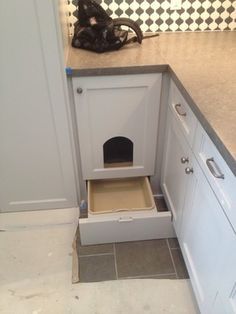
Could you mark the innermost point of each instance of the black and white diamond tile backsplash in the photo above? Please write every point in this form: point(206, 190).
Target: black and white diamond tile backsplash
point(156, 15)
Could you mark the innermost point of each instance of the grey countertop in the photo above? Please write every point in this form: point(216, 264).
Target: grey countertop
point(203, 66)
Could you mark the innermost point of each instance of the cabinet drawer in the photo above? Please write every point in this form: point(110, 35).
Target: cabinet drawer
point(183, 113)
point(123, 210)
point(129, 226)
point(220, 177)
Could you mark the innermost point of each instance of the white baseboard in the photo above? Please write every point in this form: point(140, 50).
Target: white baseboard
point(39, 218)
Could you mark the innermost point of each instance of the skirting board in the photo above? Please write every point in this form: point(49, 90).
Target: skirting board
point(39, 218)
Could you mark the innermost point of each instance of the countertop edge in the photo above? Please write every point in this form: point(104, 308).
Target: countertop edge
point(120, 70)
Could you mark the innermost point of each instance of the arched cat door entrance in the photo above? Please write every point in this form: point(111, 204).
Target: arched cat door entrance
point(118, 152)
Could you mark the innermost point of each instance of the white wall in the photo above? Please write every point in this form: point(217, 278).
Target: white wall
point(157, 16)
point(64, 25)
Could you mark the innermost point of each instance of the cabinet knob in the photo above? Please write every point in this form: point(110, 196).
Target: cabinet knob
point(188, 170)
point(79, 90)
point(184, 160)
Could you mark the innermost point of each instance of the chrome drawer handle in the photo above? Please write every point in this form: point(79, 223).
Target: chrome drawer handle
point(125, 219)
point(214, 168)
point(184, 160)
point(177, 108)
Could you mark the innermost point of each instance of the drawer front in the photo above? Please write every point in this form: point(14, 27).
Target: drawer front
point(125, 227)
point(139, 221)
point(220, 177)
point(183, 113)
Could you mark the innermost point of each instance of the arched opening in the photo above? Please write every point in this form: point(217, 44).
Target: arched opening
point(118, 152)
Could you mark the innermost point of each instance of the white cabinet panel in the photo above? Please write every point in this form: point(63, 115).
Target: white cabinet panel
point(174, 179)
point(117, 106)
point(203, 239)
point(35, 153)
point(203, 206)
point(217, 172)
point(181, 110)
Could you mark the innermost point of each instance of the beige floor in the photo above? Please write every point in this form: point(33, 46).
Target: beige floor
point(35, 274)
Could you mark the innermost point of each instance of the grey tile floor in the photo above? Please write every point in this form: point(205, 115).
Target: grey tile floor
point(140, 259)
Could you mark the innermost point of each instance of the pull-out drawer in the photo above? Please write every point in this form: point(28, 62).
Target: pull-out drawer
point(123, 210)
point(183, 113)
point(217, 172)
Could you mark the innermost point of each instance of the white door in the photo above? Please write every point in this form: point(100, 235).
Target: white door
point(203, 238)
point(174, 179)
point(109, 107)
point(36, 165)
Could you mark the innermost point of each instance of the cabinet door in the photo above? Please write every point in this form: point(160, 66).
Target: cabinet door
point(109, 107)
point(203, 239)
point(36, 164)
point(174, 179)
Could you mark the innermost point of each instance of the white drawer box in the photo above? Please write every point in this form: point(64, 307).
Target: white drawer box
point(217, 172)
point(128, 226)
point(183, 113)
point(128, 216)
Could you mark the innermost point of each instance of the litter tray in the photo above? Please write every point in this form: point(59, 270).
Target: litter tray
point(116, 195)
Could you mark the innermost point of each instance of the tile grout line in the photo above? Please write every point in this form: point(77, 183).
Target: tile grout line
point(114, 251)
point(172, 259)
point(147, 276)
point(92, 255)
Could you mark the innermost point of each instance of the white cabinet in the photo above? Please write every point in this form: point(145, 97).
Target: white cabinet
point(220, 177)
point(36, 162)
point(223, 184)
point(117, 108)
point(205, 235)
point(117, 121)
point(174, 179)
point(177, 161)
point(203, 207)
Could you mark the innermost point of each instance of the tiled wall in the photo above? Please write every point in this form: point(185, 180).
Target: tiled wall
point(156, 16)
